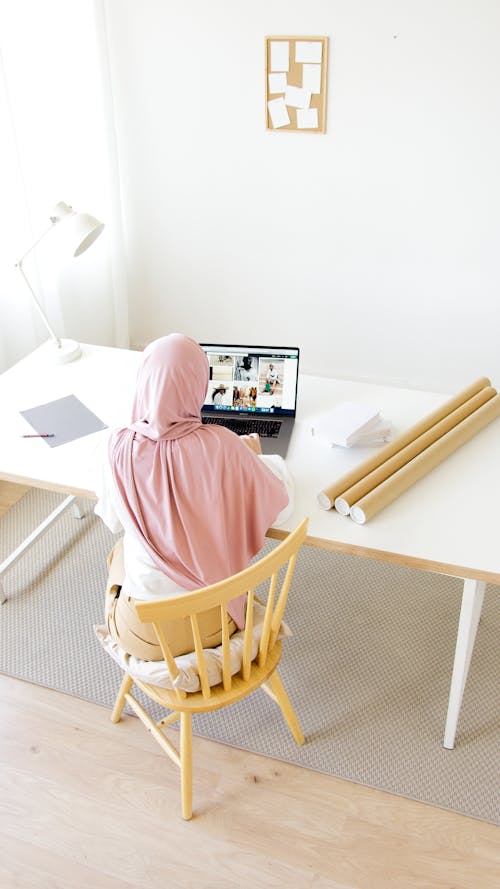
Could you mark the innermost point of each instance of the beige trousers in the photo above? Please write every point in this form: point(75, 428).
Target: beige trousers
point(140, 639)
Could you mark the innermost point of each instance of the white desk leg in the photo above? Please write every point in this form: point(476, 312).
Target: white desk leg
point(77, 509)
point(34, 536)
point(472, 603)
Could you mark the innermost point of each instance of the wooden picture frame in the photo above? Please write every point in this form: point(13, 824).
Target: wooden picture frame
point(296, 83)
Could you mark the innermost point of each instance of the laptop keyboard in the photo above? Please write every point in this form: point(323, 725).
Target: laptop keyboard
point(265, 428)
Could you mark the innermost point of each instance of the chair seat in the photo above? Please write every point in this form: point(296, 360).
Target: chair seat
point(155, 673)
point(194, 702)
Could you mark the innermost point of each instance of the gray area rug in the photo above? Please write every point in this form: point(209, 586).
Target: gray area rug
point(367, 670)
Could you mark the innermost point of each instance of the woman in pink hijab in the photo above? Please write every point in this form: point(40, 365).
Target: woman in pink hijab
point(194, 501)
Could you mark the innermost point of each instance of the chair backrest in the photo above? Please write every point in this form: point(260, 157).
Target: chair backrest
point(219, 594)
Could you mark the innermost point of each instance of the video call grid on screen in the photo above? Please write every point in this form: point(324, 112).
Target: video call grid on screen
point(252, 379)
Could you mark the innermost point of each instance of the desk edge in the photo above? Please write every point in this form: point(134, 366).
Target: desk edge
point(393, 558)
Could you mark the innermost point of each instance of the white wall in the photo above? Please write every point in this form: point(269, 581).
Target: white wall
point(375, 246)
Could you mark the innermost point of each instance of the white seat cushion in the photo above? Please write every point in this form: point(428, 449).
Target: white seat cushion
point(156, 672)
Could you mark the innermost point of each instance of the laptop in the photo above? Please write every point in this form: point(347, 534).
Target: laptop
point(253, 389)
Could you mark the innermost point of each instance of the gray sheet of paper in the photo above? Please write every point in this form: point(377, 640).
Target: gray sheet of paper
point(66, 418)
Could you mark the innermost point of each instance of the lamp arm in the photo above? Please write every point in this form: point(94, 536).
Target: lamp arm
point(20, 261)
point(37, 304)
point(19, 265)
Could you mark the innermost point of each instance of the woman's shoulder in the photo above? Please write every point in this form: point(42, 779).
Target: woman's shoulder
point(231, 443)
point(221, 433)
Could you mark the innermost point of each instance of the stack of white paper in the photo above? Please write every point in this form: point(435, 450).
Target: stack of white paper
point(351, 423)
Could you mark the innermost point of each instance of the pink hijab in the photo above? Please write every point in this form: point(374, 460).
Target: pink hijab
point(199, 498)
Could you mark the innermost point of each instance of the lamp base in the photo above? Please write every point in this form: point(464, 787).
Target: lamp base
point(68, 350)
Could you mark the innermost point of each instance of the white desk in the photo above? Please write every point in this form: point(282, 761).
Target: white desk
point(446, 523)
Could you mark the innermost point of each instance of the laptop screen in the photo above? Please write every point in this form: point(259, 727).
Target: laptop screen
point(252, 379)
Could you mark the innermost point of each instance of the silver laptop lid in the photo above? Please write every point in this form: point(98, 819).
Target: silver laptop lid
point(254, 380)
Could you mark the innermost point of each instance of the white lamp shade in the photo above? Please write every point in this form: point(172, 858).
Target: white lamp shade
point(83, 231)
point(79, 231)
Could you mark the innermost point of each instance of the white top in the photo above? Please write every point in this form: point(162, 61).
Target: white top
point(143, 579)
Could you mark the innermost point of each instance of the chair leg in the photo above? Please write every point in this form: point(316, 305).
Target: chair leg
point(120, 701)
point(276, 689)
point(186, 753)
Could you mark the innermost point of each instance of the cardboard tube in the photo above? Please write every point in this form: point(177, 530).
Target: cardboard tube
point(376, 476)
point(326, 498)
point(411, 472)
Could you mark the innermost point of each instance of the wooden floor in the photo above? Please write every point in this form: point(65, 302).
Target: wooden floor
point(85, 803)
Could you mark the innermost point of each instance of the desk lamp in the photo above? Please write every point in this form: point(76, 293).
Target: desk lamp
point(79, 231)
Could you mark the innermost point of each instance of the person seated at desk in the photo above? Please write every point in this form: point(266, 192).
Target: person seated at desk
point(194, 501)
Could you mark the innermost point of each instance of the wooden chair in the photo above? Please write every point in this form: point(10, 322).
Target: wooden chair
point(261, 672)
